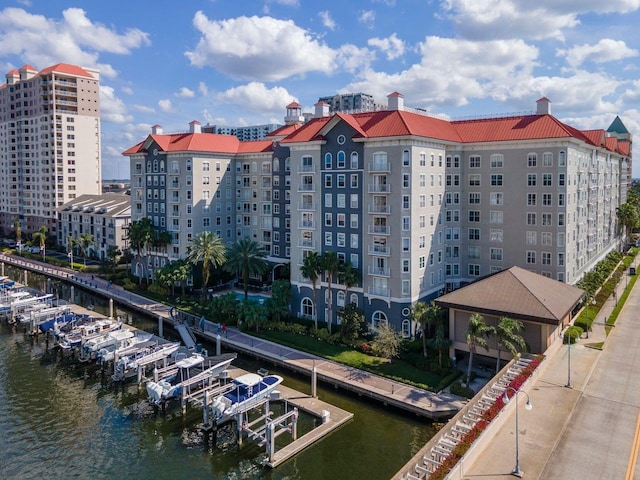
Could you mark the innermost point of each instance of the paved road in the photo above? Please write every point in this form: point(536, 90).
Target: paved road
point(584, 432)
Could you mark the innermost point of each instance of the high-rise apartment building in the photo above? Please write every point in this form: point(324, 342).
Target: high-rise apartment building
point(352, 102)
point(245, 134)
point(417, 204)
point(49, 143)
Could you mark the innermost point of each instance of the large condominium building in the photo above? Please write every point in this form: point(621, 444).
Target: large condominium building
point(418, 205)
point(351, 102)
point(49, 142)
point(244, 134)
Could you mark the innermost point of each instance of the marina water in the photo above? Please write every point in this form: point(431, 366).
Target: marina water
point(59, 420)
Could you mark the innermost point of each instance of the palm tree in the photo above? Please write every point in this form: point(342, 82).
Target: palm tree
point(629, 218)
point(247, 257)
point(477, 333)
point(440, 342)
point(348, 276)
point(508, 336)
point(208, 248)
point(85, 242)
point(330, 266)
point(426, 315)
point(41, 237)
point(139, 235)
point(311, 270)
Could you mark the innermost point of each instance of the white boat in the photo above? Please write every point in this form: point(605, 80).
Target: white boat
point(81, 334)
point(191, 371)
point(126, 347)
point(91, 347)
point(249, 391)
point(127, 365)
point(42, 312)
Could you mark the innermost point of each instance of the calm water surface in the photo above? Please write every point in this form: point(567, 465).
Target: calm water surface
point(57, 420)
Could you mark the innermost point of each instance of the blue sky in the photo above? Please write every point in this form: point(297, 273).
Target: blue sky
point(241, 62)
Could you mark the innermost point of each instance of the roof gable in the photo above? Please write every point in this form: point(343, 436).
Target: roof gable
point(68, 69)
point(518, 293)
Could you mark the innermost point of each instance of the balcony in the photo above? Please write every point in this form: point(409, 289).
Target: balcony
point(307, 244)
point(306, 206)
point(381, 250)
point(385, 209)
point(380, 167)
point(379, 230)
point(379, 272)
point(306, 187)
point(379, 291)
point(379, 188)
point(307, 225)
point(306, 169)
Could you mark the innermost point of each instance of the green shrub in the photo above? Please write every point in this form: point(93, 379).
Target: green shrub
point(127, 284)
point(458, 389)
point(574, 332)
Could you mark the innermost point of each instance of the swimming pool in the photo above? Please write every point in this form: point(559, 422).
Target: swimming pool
point(254, 298)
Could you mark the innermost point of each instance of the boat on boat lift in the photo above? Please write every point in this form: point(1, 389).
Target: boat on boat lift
point(127, 347)
point(127, 365)
point(248, 390)
point(182, 375)
point(77, 336)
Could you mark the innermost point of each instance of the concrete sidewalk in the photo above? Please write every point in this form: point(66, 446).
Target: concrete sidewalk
point(563, 436)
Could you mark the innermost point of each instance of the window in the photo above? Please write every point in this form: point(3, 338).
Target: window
point(546, 199)
point(546, 258)
point(547, 238)
point(423, 180)
point(341, 239)
point(422, 241)
point(496, 180)
point(421, 221)
point(328, 219)
point(342, 159)
point(421, 263)
point(340, 200)
point(496, 217)
point(354, 240)
point(532, 160)
point(340, 298)
point(423, 159)
point(560, 259)
point(422, 201)
point(531, 218)
point(354, 160)
point(306, 307)
point(406, 180)
point(532, 238)
point(341, 180)
point(328, 200)
point(562, 159)
point(561, 199)
point(341, 220)
point(496, 198)
point(546, 219)
point(561, 219)
point(406, 201)
point(354, 200)
point(497, 161)
point(406, 223)
point(531, 257)
point(474, 161)
point(327, 161)
point(474, 198)
point(405, 265)
point(531, 180)
point(474, 270)
point(496, 254)
point(474, 215)
point(474, 234)
point(561, 181)
point(547, 159)
point(354, 220)
point(406, 242)
point(406, 158)
point(328, 238)
point(354, 180)
point(531, 199)
point(474, 180)
point(327, 181)
point(495, 235)
point(474, 252)
point(547, 179)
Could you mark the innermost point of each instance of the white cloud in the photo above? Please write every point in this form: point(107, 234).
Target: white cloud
point(73, 39)
point(143, 108)
point(391, 46)
point(449, 72)
point(203, 89)
point(327, 21)
point(606, 50)
point(127, 90)
point(492, 19)
point(211, 119)
point(112, 109)
point(258, 48)
point(256, 97)
point(367, 17)
point(185, 92)
point(353, 59)
point(165, 105)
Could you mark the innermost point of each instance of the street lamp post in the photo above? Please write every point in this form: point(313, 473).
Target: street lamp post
point(70, 255)
point(568, 385)
point(592, 301)
point(516, 470)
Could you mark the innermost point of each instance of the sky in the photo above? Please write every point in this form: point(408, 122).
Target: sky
point(241, 62)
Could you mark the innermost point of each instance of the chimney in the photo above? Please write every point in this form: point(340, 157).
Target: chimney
point(543, 106)
point(195, 127)
point(322, 109)
point(395, 101)
point(156, 130)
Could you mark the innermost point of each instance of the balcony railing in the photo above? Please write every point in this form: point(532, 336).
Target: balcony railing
point(307, 244)
point(379, 188)
point(380, 209)
point(379, 291)
point(306, 169)
point(306, 206)
point(307, 224)
point(380, 167)
point(379, 230)
point(306, 187)
point(379, 250)
point(379, 272)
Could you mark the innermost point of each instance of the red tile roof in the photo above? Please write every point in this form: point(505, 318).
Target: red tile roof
point(284, 130)
point(201, 142)
point(68, 69)
point(294, 105)
point(596, 136)
point(624, 147)
point(28, 67)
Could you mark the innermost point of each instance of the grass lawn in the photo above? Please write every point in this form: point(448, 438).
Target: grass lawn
point(396, 369)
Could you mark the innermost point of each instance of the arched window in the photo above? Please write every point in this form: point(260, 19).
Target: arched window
point(162, 165)
point(306, 307)
point(406, 158)
point(341, 159)
point(354, 160)
point(328, 159)
point(155, 165)
point(378, 318)
point(189, 165)
point(287, 164)
point(562, 159)
point(406, 328)
point(149, 166)
point(276, 164)
point(340, 298)
point(354, 299)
